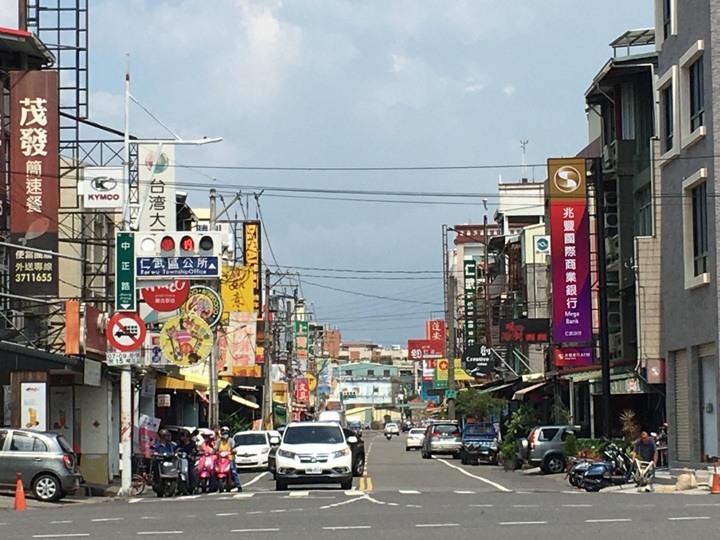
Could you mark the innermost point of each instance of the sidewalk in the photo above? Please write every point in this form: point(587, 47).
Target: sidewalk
point(7, 500)
point(664, 482)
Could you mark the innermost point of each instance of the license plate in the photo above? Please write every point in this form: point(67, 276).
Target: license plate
point(246, 460)
point(314, 470)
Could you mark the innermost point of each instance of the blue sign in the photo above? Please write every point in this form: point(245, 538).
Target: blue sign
point(188, 267)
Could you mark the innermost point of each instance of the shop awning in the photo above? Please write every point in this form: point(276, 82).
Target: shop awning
point(491, 389)
point(187, 382)
point(238, 399)
point(521, 394)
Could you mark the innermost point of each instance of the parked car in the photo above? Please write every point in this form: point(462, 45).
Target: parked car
point(414, 439)
point(252, 448)
point(441, 438)
point(355, 427)
point(543, 447)
point(479, 444)
point(314, 453)
point(358, 452)
point(46, 461)
point(273, 448)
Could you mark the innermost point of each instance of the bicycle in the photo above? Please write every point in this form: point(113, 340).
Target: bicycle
point(142, 478)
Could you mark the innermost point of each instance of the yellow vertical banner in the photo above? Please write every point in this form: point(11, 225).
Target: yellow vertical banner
point(253, 259)
point(236, 290)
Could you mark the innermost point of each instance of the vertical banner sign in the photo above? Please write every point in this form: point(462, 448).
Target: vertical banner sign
point(435, 330)
point(470, 290)
point(302, 335)
point(34, 186)
point(33, 406)
point(252, 258)
point(125, 295)
point(570, 251)
point(156, 175)
point(3, 179)
point(236, 290)
point(441, 374)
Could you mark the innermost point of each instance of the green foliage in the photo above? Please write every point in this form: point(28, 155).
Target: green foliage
point(475, 404)
point(508, 450)
point(521, 422)
point(570, 446)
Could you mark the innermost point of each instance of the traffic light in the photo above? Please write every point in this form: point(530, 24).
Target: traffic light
point(179, 244)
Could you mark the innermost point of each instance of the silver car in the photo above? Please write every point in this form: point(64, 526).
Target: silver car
point(414, 439)
point(46, 461)
point(442, 438)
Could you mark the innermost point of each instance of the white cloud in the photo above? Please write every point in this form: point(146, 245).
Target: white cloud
point(9, 13)
point(509, 90)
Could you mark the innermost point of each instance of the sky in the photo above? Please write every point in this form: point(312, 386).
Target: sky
point(372, 101)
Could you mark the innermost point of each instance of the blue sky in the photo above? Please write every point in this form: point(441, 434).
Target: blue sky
point(356, 84)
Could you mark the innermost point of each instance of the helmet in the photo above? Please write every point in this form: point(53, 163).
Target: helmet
point(183, 433)
point(163, 434)
point(224, 429)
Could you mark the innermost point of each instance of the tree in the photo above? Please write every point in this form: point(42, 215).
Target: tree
point(476, 404)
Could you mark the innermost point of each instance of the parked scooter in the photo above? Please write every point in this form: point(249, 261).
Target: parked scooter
point(578, 468)
point(223, 470)
point(165, 474)
point(183, 486)
point(206, 470)
point(615, 471)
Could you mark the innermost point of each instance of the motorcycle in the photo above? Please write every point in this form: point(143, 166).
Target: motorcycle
point(166, 474)
point(223, 469)
point(577, 469)
point(615, 471)
point(206, 470)
point(183, 485)
point(388, 436)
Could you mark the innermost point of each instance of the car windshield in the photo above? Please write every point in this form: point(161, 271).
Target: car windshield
point(354, 425)
point(313, 435)
point(250, 439)
point(391, 425)
point(480, 429)
point(417, 431)
point(63, 444)
point(446, 429)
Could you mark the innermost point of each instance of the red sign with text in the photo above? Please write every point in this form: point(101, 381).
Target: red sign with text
point(166, 297)
point(425, 349)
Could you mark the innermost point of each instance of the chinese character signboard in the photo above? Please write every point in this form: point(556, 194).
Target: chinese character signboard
point(573, 356)
point(125, 295)
point(477, 360)
point(470, 290)
point(524, 330)
point(34, 186)
point(424, 349)
point(441, 374)
point(156, 174)
point(236, 289)
point(302, 390)
point(252, 256)
point(570, 251)
point(435, 330)
point(302, 335)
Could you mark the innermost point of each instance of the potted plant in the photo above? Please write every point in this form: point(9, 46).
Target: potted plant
point(508, 453)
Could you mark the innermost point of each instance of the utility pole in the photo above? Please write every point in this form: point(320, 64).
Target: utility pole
point(486, 284)
point(267, 364)
point(213, 403)
point(450, 344)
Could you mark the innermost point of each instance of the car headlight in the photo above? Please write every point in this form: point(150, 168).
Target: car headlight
point(286, 454)
point(264, 449)
point(341, 453)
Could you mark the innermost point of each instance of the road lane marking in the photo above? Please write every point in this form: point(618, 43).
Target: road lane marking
point(609, 520)
point(465, 492)
point(278, 511)
point(463, 471)
point(243, 495)
point(227, 514)
point(523, 523)
point(343, 503)
point(299, 493)
point(688, 518)
point(258, 477)
point(526, 506)
point(704, 504)
point(368, 483)
point(256, 512)
point(409, 492)
point(69, 535)
point(481, 505)
point(254, 530)
point(146, 533)
point(60, 522)
point(354, 493)
point(150, 517)
point(576, 505)
point(347, 528)
point(420, 525)
point(98, 520)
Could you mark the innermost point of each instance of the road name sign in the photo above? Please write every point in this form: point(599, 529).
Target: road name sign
point(184, 267)
point(125, 295)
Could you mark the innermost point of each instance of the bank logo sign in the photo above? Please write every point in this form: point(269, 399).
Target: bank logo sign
point(103, 187)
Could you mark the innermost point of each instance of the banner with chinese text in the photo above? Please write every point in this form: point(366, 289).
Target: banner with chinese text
point(156, 176)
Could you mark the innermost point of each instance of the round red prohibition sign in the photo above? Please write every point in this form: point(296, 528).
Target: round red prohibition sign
point(126, 331)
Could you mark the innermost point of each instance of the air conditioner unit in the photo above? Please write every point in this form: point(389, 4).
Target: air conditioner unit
point(609, 156)
point(616, 345)
point(612, 248)
point(14, 320)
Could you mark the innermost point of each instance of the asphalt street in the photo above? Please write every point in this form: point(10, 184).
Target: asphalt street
point(401, 496)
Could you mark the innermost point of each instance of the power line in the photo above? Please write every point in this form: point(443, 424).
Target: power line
point(371, 295)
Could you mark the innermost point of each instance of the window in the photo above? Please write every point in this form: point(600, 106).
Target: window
point(667, 18)
point(700, 229)
point(21, 443)
point(643, 212)
point(348, 372)
point(697, 95)
point(695, 229)
point(668, 118)
point(386, 373)
point(3, 436)
point(370, 372)
point(548, 434)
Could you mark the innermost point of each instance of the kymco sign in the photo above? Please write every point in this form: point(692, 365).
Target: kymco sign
point(167, 297)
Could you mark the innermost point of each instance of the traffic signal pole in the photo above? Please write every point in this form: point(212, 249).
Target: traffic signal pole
point(213, 401)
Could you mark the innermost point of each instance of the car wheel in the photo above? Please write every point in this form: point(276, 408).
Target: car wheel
point(346, 485)
point(407, 449)
point(46, 487)
point(359, 467)
point(280, 486)
point(554, 465)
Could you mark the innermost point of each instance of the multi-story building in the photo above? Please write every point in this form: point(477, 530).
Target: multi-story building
point(685, 35)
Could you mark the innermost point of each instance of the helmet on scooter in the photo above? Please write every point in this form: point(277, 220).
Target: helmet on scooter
point(164, 434)
point(224, 429)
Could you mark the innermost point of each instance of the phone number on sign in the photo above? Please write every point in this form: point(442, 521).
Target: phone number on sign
point(44, 277)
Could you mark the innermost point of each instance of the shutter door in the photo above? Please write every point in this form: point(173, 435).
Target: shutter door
point(682, 407)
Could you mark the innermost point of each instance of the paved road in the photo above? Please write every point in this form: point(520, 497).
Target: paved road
point(403, 495)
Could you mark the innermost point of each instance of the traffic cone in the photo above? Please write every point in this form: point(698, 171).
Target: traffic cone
point(715, 485)
point(20, 494)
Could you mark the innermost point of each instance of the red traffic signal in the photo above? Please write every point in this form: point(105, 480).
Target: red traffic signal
point(187, 243)
point(167, 243)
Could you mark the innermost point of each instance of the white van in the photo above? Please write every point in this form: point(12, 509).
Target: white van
point(332, 416)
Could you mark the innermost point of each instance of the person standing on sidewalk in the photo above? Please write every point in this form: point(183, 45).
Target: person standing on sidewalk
point(645, 449)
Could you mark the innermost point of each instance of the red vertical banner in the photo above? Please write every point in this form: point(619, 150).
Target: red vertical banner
point(3, 172)
point(34, 184)
point(435, 330)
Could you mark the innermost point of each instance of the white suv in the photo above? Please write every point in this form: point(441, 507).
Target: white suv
point(314, 453)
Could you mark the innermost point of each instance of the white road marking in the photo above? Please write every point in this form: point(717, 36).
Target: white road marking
point(299, 493)
point(145, 533)
point(277, 511)
point(347, 528)
point(227, 514)
point(253, 530)
point(342, 503)
point(258, 477)
point(256, 512)
point(523, 523)
point(59, 522)
point(133, 501)
point(577, 505)
point(413, 506)
point(97, 520)
point(409, 492)
point(465, 492)
point(610, 520)
point(463, 471)
point(354, 493)
point(688, 518)
point(526, 506)
point(704, 504)
point(481, 505)
point(189, 497)
point(150, 517)
point(419, 525)
point(243, 495)
point(69, 535)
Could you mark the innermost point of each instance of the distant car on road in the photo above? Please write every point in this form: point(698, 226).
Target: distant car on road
point(442, 438)
point(479, 444)
point(356, 428)
point(543, 447)
point(391, 428)
point(252, 448)
point(414, 439)
point(46, 461)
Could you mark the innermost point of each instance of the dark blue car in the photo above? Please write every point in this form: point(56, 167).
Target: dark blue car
point(479, 444)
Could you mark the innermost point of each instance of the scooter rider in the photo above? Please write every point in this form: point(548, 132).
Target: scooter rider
point(164, 444)
point(187, 445)
point(226, 444)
